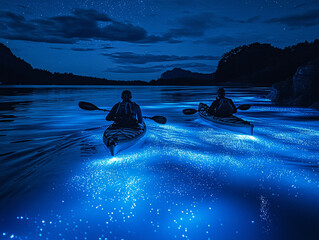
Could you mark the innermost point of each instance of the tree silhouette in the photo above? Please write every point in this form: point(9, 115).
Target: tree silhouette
point(263, 64)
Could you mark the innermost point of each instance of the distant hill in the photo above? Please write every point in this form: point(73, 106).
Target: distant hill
point(263, 64)
point(15, 71)
point(179, 76)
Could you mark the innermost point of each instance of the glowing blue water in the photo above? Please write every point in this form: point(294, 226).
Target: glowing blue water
point(185, 180)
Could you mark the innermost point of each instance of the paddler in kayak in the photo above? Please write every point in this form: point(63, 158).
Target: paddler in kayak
point(222, 107)
point(126, 114)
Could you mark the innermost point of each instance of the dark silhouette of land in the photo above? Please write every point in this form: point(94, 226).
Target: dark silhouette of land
point(302, 89)
point(179, 76)
point(255, 64)
point(263, 64)
point(15, 71)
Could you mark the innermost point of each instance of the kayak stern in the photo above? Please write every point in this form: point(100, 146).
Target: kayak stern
point(119, 139)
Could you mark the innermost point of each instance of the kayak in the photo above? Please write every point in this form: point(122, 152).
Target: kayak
point(117, 139)
point(230, 123)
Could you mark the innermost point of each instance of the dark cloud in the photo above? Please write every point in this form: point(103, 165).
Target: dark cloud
point(133, 58)
point(57, 48)
point(222, 40)
point(307, 19)
point(307, 4)
point(196, 25)
point(107, 46)
point(83, 49)
point(301, 5)
point(187, 5)
point(89, 24)
point(173, 41)
point(155, 39)
point(135, 69)
point(201, 67)
point(80, 25)
point(250, 20)
point(234, 40)
point(22, 6)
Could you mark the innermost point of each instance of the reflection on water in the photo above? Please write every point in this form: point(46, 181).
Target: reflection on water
point(186, 180)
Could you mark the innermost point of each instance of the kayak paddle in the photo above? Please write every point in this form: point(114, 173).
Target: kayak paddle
point(190, 111)
point(90, 107)
point(158, 119)
point(244, 107)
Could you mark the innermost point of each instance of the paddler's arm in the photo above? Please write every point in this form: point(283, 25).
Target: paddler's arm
point(139, 114)
point(233, 105)
point(212, 107)
point(111, 115)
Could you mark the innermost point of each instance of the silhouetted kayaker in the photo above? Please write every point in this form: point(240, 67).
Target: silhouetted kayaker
point(222, 107)
point(126, 113)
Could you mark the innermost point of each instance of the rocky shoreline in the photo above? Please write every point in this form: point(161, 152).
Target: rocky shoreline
point(302, 89)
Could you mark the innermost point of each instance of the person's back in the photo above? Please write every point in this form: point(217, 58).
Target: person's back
point(222, 107)
point(126, 113)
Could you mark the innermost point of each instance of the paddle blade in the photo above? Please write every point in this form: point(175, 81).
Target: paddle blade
point(88, 106)
point(244, 107)
point(159, 119)
point(189, 111)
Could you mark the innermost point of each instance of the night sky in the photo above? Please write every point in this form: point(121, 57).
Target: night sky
point(140, 39)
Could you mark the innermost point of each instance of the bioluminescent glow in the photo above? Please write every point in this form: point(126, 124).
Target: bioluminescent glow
point(246, 137)
point(185, 179)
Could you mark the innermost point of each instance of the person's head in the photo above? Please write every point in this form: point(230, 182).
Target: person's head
point(221, 92)
point(126, 95)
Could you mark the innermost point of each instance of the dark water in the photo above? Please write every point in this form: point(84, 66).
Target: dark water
point(185, 179)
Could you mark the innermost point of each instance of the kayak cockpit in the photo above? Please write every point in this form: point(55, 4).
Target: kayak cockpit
point(232, 123)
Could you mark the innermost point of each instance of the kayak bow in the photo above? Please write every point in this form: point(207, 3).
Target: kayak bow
point(229, 123)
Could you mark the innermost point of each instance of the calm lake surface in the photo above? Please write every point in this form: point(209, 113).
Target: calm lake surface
point(184, 180)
